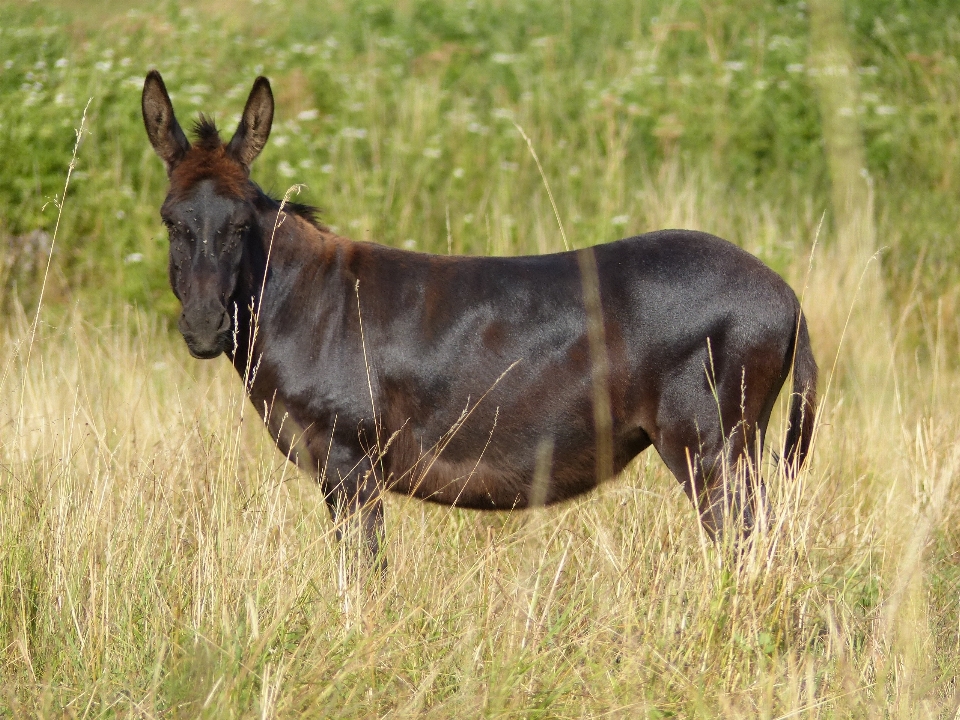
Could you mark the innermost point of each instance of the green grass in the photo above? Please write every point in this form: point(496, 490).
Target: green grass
point(396, 116)
point(158, 558)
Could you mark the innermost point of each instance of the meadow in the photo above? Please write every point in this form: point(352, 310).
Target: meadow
point(159, 558)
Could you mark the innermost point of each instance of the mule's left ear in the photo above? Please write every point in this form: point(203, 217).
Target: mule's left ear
point(254, 128)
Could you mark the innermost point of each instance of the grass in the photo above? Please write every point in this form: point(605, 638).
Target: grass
point(397, 117)
point(160, 559)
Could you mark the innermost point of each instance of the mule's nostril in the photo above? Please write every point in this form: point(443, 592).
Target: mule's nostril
point(224, 324)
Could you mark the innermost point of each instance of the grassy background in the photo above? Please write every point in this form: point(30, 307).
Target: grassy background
point(160, 560)
point(398, 115)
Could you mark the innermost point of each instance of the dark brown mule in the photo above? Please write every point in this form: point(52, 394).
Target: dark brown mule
point(461, 380)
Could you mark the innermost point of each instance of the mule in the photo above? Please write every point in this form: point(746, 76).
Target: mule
point(493, 383)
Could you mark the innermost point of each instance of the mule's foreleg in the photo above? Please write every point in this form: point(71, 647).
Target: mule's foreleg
point(354, 499)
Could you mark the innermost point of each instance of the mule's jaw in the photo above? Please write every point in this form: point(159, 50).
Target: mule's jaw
point(205, 354)
point(206, 351)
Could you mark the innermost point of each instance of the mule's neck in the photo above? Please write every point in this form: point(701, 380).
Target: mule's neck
point(246, 300)
point(266, 269)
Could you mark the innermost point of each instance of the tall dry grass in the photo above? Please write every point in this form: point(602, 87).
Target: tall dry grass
point(158, 558)
point(161, 559)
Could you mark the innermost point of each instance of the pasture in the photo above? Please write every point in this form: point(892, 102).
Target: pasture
point(159, 557)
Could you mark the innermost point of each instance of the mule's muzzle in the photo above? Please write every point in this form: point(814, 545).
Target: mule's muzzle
point(206, 332)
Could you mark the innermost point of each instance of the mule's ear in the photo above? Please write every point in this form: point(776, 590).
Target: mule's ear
point(254, 128)
point(164, 131)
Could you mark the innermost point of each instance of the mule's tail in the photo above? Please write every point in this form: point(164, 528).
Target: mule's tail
point(803, 401)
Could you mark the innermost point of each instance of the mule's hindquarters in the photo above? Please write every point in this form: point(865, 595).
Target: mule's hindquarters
point(711, 431)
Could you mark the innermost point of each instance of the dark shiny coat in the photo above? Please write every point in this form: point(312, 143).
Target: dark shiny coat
point(480, 382)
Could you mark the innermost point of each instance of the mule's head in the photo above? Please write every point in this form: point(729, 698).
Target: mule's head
point(209, 210)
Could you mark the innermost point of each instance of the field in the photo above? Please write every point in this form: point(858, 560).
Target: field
point(158, 556)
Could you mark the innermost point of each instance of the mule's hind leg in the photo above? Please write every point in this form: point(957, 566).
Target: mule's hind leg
point(721, 490)
point(710, 436)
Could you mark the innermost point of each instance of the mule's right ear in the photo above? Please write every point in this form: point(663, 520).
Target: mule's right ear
point(164, 131)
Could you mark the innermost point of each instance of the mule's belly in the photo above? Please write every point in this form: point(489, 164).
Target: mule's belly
point(487, 492)
point(482, 485)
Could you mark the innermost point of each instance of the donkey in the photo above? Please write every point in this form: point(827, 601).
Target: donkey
point(478, 382)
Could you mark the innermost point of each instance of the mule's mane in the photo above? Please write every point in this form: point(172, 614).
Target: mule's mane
point(208, 159)
point(208, 137)
point(309, 213)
